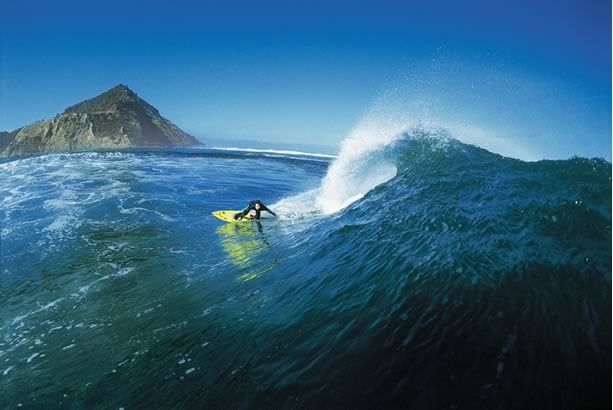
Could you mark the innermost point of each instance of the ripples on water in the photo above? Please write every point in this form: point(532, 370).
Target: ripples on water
point(466, 281)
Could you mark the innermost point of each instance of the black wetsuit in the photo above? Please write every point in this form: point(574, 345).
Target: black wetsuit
point(251, 206)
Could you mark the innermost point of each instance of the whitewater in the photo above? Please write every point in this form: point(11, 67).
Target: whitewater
point(412, 270)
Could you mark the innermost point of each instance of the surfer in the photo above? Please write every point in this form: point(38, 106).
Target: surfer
point(256, 206)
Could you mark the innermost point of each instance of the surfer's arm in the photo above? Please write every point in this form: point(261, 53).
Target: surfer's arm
point(264, 208)
point(241, 214)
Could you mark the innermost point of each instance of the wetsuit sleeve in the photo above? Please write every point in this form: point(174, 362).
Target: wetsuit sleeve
point(265, 208)
point(243, 212)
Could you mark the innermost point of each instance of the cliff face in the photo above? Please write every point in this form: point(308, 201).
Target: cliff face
point(117, 118)
point(6, 138)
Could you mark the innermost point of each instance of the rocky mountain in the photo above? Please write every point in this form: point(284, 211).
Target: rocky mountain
point(117, 118)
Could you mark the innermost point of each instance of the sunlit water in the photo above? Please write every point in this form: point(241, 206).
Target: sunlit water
point(420, 274)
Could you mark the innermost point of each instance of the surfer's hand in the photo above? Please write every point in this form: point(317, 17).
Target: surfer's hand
point(236, 216)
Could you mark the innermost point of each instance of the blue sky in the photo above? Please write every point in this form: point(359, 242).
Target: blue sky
point(535, 75)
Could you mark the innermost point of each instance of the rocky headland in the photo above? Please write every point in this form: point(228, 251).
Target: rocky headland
point(117, 118)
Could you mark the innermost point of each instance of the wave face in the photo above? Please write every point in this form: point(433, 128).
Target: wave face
point(417, 272)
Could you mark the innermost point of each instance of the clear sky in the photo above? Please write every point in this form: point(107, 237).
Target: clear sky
point(534, 76)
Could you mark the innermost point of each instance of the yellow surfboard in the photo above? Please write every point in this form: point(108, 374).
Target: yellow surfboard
point(228, 216)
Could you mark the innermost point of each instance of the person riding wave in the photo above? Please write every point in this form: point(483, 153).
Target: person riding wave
point(256, 206)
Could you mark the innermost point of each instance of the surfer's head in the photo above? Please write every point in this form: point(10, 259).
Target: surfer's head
point(258, 204)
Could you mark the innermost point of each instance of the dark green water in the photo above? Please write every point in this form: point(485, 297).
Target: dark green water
point(467, 280)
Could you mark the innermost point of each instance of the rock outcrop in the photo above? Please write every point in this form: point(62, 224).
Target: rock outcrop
point(117, 118)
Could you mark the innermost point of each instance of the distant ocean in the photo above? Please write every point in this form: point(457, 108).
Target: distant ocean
point(421, 273)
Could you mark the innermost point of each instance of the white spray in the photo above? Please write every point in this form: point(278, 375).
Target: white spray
point(424, 98)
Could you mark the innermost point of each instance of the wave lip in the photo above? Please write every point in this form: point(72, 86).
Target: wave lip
point(368, 158)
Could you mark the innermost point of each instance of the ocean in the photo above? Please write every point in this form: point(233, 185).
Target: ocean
point(415, 273)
